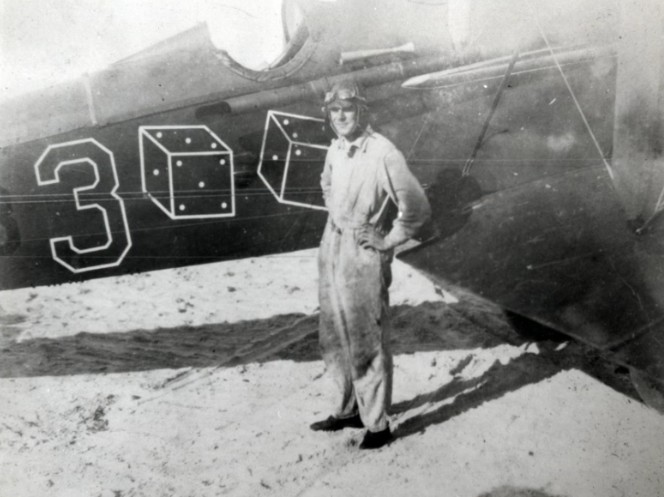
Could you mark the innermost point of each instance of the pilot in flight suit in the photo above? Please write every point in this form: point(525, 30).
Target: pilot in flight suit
point(363, 169)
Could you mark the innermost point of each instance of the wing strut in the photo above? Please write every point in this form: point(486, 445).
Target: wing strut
point(573, 95)
point(485, 127)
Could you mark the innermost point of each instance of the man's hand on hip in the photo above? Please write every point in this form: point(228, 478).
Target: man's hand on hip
point(370, 238)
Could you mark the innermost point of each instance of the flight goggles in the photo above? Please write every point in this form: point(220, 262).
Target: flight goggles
point(344, 93)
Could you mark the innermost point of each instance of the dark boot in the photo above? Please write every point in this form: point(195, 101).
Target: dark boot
point(375, 440)
point(335, 424)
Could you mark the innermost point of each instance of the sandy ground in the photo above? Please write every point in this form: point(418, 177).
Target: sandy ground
point(202, 381)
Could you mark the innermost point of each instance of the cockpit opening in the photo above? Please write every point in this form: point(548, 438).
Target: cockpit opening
point(269, 35)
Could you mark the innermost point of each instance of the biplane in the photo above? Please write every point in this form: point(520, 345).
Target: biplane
point(536, 129)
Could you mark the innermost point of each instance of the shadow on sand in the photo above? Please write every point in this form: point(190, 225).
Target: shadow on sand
point(516, 492)
point(462, 395)
point(431, 326)
point(428, 326)
point(498, 380)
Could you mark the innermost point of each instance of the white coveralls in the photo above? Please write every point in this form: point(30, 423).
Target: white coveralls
point(354, 281)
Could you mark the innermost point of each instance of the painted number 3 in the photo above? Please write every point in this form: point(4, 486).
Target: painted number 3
point(97, 195)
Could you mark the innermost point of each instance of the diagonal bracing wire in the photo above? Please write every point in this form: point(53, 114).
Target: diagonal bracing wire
point(572, 94)
point(492, 111)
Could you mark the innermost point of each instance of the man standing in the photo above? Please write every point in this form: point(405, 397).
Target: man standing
point(362, 170)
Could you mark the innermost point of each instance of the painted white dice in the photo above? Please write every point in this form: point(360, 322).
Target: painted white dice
point(187, 171)
point(292, 158)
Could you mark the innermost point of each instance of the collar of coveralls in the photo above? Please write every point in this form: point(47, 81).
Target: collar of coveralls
point(359, 143)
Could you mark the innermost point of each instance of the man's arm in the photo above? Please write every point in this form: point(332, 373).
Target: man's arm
point(407, 193)
point(326, 180)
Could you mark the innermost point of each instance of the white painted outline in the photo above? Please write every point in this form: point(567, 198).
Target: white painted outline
point(144, 188)
point(310, 145)
point(282, 192)
point(262, 155)
point(171, 197)
point(172, 213)
point(273, 115)
point(109, 234)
